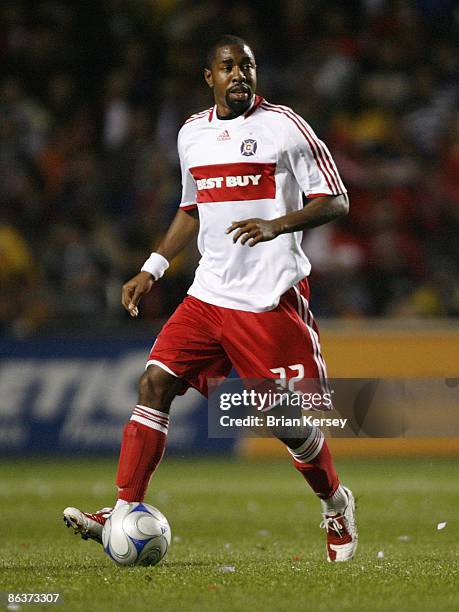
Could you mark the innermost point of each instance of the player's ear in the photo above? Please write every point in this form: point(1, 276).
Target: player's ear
point(208, 77)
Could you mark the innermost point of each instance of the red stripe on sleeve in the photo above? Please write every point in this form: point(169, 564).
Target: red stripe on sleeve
point(322, 162)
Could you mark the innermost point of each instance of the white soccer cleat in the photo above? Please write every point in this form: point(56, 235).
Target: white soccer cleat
point(88, 524)
point(342, 537)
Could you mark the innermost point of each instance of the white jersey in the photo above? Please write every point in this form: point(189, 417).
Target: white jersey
point(256, 165)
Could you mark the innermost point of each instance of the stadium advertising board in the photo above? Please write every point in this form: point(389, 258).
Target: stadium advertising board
point(74, 395)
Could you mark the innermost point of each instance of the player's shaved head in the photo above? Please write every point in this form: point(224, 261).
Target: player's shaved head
point(226, 40)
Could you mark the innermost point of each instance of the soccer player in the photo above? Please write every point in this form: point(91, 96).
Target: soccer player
point(245, 163)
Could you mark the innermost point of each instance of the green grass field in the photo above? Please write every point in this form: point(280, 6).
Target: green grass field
point(256, 517)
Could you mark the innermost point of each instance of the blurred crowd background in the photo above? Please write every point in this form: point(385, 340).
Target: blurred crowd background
point(92, 95)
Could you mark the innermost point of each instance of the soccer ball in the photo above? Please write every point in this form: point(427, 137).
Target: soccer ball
point(136, 534)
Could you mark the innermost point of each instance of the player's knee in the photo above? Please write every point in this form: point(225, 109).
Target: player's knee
point(157, 388)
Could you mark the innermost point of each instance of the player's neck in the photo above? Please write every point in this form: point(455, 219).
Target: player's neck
point(232, 115)
point(224, 113)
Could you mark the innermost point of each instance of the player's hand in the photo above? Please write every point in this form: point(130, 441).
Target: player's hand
point(134, 290)
point(253, 231)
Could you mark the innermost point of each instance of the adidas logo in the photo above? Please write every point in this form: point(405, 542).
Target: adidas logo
point(224, 136)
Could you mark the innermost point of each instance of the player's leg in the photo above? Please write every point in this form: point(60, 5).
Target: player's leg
point(186, 353)
point(286, 340)
point(142, 448)
point(144, 435)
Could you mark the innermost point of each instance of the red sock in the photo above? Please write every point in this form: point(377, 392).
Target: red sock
point(142, 448)
point(320, 473)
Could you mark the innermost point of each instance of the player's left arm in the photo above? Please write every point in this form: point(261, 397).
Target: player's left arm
point(318, 211)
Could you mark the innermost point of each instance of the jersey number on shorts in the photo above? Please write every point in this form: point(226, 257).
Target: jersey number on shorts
point(290, 383)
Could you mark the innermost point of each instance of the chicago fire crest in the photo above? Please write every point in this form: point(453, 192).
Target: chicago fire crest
point(249, 147)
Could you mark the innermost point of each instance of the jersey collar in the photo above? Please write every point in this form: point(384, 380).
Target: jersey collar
point(257, 100)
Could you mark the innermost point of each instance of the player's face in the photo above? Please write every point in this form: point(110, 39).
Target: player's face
point(233, 78)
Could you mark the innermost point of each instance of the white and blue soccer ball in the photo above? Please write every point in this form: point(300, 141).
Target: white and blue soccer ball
point(136, 534)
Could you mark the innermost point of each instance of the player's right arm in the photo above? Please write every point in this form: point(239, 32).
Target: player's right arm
point(181, 232)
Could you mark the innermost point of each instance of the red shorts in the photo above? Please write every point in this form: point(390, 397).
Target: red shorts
point(202, 341)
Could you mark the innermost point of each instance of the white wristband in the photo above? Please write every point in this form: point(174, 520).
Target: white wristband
point(156, 265)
